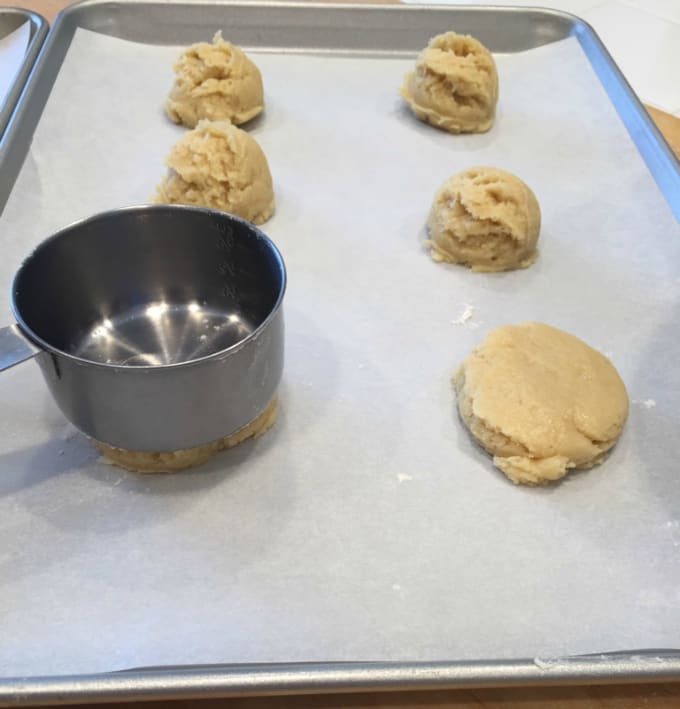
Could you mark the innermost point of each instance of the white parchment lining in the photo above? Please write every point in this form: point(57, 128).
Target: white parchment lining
point(365, 525)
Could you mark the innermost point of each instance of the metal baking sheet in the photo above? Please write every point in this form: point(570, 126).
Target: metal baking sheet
point(288, 572)
point(11, 18)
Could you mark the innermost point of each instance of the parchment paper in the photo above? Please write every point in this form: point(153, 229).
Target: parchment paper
point(365, 525)
point(12, 52)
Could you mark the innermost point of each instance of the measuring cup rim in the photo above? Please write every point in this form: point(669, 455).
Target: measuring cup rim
point(145, 208)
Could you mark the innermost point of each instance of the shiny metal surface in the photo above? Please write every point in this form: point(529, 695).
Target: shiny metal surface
point(160, 332)
point(318, 678)
point(15, 347)
point(161, 326)
point(12, 18)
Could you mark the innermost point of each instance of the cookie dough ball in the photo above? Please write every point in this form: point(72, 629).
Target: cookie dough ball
point(172, 461)
point(220, 166)
point(486, 219)
point(455, 84)
point(215, 82)
point(540, 401)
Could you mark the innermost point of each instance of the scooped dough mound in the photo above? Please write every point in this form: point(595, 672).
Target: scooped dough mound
point(220, 166)
point(540, 401)
point(215, 82)
point(454, 85)
point(172, 461)
point(486, 219)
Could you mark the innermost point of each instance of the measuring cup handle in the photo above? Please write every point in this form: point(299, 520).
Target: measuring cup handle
point(15, 347)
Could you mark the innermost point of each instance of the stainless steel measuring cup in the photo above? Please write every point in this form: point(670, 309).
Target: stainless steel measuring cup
point(156, 327)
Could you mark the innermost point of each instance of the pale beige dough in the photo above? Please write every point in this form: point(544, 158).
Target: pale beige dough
point(454, 85)
point(540, 401)
point(215, 82)
point(486, 219)
point(172, 461)
point(219, 165)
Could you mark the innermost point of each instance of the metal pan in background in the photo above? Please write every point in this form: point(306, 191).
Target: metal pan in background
point(272, 679)
point(11, 18)
point(363, 31)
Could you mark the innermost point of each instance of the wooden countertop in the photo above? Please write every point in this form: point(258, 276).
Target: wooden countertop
point(654, 696)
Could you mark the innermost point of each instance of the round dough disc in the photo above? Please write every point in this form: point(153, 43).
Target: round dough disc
point(540, 401)
point(172, 461)
point(486, 219)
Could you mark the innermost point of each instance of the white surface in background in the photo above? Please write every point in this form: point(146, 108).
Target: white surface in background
point(642, 37)
point(365, 525)
point(667, 9)
point(647, 49)
point(12, 52)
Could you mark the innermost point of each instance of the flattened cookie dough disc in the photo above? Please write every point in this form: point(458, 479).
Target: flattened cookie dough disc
point(214, 82)
point(172, 461)
point(486, 219)
point(454, 86)
point(540, 401)
point(220, 166)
